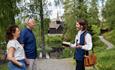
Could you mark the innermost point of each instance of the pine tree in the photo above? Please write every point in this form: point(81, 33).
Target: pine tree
point(74, 9)
point(93, 13)
point(110, 13)
point(8, 10)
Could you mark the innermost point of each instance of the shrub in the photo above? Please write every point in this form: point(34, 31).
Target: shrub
point(53, 41)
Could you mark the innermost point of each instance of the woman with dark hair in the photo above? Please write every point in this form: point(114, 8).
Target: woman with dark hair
point(83, 43)
point(15, 52)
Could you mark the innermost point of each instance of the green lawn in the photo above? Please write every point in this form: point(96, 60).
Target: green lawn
point(3, 66)
point(110, 36)
point(106, 58)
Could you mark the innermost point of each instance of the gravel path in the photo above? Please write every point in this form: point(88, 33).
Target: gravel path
point(109, 45)
point(57, 64)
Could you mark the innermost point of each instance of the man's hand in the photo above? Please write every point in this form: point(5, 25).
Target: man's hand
point(78, 46)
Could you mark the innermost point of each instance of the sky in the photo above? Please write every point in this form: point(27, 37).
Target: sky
point(100, 9)
point(59, 9)
point(55, 9)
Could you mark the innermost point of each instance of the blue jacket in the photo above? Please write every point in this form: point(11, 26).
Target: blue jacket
point(28, 39)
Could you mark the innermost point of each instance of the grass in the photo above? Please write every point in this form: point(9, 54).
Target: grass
point(110, 36)
point(3, 66)
point(106, 58)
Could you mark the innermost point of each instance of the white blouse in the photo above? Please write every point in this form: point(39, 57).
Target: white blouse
point(88, 41)
point(19, 51)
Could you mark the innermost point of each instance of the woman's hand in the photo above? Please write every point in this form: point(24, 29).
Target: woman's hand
point(27, 62)
point(20, 64)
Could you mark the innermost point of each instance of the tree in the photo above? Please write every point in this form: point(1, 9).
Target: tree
point(42, 28)
point(102, 11)
point(39, 6)
point(93, 13)
point(46, 26)
point(109, 13)
point(74, 9)
point(8, 10)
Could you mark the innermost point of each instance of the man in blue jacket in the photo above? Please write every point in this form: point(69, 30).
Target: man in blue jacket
point(27, 39)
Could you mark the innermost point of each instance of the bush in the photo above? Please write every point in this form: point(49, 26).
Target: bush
point(53, 41)
point(3, 45)
point(47, 49)
point(95, 30)
point(110, 36)
point(67, 52)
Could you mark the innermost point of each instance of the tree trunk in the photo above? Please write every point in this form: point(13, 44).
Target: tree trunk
point(42, 30)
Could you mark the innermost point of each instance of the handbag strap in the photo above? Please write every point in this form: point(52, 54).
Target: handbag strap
point(87, 52)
